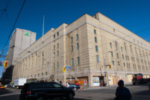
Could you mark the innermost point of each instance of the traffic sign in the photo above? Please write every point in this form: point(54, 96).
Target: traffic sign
point(67, 67)
point(63, 69)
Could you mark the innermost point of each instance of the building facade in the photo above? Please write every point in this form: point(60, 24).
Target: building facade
point(20, 40)
point(95, 49)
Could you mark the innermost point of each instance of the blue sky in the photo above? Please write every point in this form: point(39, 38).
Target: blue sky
point(132, 14)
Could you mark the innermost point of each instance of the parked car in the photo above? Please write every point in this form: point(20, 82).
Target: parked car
point(2, 87)
point(74, 86)
point(45, 91)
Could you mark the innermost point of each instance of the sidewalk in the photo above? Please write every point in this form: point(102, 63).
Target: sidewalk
point(104, 87)
point(4, 91)
point(96, 88)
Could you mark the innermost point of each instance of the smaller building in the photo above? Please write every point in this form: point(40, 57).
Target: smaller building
point(19, 41)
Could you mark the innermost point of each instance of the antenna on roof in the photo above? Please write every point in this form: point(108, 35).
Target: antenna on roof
point(43, 28)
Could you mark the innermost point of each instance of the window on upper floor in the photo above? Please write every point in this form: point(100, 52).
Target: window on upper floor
point(77, 46)
point(57, 45)
point(72, 48)
point(71, 39)
point(110, 45)
point(122, 56)
point(124, 64)
point(95, 39)
point(113, 63)
point(125, 46)
point(57, 53)
point(96, 48)
point(116, 45)
point(78, 59)
point(122, 49)
point(94, 31)
point(57, 64)
point(77, 37)
point(118, 63)
point(54, 66)
point(54, 36)
point(117, 55)
point(97, 59)
point(72, 61)
point(54, 47)
point(111, 54)
point(129, 65)
point(57, 33)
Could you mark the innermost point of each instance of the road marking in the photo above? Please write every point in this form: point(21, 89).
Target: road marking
point(10, 94)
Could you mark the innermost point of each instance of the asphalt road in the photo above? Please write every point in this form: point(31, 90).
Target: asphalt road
point(106, 93)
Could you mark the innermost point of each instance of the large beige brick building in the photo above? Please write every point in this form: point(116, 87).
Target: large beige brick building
point(88, 45)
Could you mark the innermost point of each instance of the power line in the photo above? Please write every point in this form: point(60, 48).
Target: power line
point(18, 15)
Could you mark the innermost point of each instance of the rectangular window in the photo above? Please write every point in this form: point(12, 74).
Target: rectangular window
point(96, 48)
point(57, 33)
point(97, 58)
point(116, 45)
point(122, 49)
point(54, 36)
point(118, 63)
point(71, 39)
point(78, 59)
point(125, 46)
point(110, 45)
point(95, 39)
point(72, 61)
point(54, 47)
point(77, 37)
point(124, 64)
point(94, 31)
point(72, 48)
point(57, 45)
point(57, 64)
point(111, 54)
point(122, 56)
point(117, 55)
point(57, 53)
point(77, 46)
point(113, 63)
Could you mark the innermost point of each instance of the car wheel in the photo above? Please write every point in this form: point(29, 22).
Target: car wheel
point(75, 89)
point(70, 96)
point(40, 98)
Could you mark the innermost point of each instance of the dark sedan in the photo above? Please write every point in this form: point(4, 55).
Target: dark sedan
point(45, 91)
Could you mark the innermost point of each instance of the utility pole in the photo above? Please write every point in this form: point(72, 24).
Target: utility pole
point(43, 28)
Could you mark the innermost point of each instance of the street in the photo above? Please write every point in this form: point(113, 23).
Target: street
point(104, 93)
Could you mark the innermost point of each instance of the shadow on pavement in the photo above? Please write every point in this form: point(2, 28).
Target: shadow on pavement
point(11, 97)
point(4, 91)
point(146, 93)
